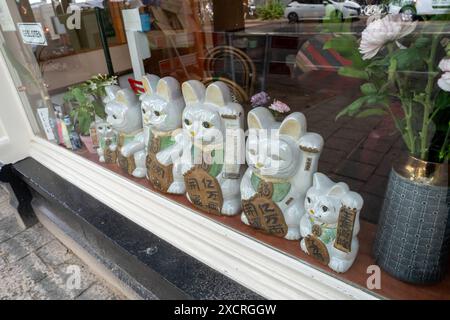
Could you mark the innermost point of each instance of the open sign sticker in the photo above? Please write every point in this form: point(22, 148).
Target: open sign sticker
point(32, 33)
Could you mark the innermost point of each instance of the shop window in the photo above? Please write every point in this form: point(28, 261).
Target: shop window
point(371, 98)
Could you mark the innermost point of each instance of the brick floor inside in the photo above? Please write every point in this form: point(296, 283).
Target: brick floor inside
point(36, 266)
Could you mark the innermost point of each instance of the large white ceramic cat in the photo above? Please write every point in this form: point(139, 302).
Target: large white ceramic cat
point(212, 182)
point(331, 223)
point(124, 114)
point(282, 159)
point(108, 139)
point(162, 108)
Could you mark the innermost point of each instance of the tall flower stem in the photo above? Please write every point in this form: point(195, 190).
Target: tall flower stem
point(428, 103)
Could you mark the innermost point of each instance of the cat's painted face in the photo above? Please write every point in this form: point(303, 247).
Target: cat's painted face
point(270, 156)
point(123, 113)
point(104, 129)
point(202, 124)
point(162, 103)
point(322, 207)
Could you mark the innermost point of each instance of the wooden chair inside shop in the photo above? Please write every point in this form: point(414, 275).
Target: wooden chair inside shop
point(218, 55)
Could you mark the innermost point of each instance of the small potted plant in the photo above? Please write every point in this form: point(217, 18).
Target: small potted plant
point(413, 71)
point(279, 109)
point(86, 102)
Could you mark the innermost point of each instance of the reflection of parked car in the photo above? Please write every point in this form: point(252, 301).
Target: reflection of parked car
point(409, 9)
point(317, 9)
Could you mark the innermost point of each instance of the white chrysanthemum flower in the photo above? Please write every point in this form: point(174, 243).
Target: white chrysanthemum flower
point(382, 31)
point(444, 82)
point(444, 65)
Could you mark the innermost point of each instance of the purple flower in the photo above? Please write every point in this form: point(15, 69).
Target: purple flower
point(260, 99)
point(279, 106)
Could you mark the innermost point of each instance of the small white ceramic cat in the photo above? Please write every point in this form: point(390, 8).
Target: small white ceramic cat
point(125, 116)
point(282, 159)
point(162, 108)
point(212, 182)
point(107, 139)
point(331, 223)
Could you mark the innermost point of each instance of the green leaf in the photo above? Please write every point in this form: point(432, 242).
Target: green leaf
point(99, 109)
point(371, 112)
point(422, 42)
point(353, 108)
point(84, 121)
point(353, 73)
point(369, 89)
point(409, 59)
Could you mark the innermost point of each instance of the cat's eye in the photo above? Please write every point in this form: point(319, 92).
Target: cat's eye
point(324, 208)
point(275, 157)
point(206, 125)
point(143, 111)
point(100, 128)
point(308, 199)
point(157, 113)
point(114, 116)
point(187, 122)
point(252, 152)
point(108, 128)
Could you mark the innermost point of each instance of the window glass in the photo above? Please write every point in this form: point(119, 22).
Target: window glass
point(365, 88)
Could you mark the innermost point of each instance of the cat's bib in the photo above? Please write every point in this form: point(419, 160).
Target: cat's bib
point(160, 176)
point(261, 210)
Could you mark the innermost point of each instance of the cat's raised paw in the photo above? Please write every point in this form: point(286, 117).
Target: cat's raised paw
point(293, 233)
point(339, 265)
point(303, 246)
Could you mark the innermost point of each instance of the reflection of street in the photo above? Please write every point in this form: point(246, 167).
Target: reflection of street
point(306, 27)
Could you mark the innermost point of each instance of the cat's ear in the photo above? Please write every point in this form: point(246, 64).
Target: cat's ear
point(168, 88)
point(111, 92)
point(338, 190)
point(127, 97)
point(218, 94)
point(321, 181)
point(260, 118)
point(150, 81)
point(193, 91)
point(294, 126)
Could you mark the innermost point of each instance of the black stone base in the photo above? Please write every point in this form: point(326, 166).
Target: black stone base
point(152, 267)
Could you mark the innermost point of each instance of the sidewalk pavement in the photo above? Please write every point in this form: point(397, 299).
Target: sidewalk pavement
point(36, 266)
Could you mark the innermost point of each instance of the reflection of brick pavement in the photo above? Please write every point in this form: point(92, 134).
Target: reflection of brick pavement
point(359, 152)
point(34, 265)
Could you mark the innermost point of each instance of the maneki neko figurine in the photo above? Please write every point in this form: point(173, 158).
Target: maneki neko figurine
point(211, 165)
point(107, 142)
point(282, 160)
point(331, 223)
point(124, 115)
point(162, 107)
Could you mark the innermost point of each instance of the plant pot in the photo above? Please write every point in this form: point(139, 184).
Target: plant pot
point(87, 141)
point(413, 237)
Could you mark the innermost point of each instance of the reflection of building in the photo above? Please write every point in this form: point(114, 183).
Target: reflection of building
point(43, 13)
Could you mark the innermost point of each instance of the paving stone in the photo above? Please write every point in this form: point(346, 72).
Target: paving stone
point(376, 185)
point(326, 168)
point(372, 207)
point(378, 144)
point(9, 227)
point(332, 156)
point(61, 283)
point(367, 124)
point(98, 291)
point(367, 156)
point(20, 277)
point(393, 156)
point(350, 134)
point(6, 210)
point(54, 253)
point(2, 263)
point(25, 243)
point(356, 170)
point(341, 144)
point(4, 195)
point(354, 185)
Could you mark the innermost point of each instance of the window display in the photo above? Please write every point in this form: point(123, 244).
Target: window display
point(326, 140)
